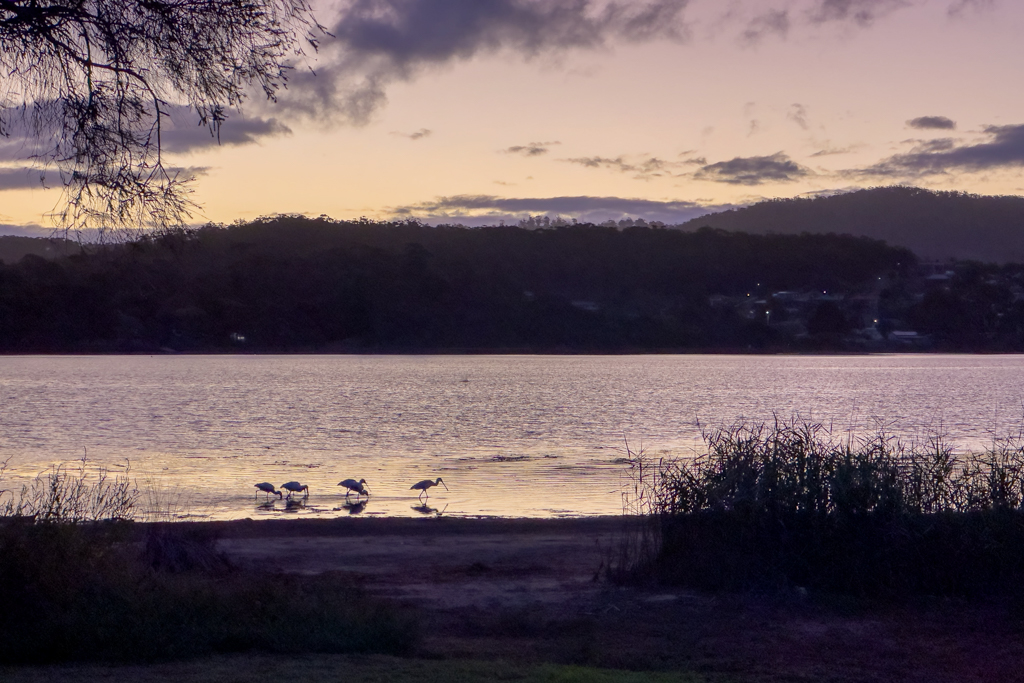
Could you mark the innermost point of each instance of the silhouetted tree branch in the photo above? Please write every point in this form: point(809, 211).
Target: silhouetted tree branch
point(88, 84)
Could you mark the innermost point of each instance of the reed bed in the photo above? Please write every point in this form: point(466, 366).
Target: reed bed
point(784, 504)
point(72, 493)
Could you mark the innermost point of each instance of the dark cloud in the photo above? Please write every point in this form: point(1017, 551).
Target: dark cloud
point(27, 230)
point(26, 178)
point(643, 169)
point(932, 122)
point(533, 149)
point(21, 139)
point(861, 12)
point(777, 168)
point(21, 179)
point(415, 135)
point(185, 134)
point(379, 42)
point(181, 132)
point(772, 22)
point(616, 164)
point(489, 209)
point(1003, 149)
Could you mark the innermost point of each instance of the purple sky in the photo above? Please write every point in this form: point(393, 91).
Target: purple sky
point(484, 110)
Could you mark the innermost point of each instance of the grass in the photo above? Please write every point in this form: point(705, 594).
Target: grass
point(785, 505)
point(342, 668)
point(96, 592)
point(82, 582)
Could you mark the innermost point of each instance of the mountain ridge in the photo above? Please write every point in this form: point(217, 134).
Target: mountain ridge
point(935, 225)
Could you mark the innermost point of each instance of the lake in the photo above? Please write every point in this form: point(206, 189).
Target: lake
point(530, 436)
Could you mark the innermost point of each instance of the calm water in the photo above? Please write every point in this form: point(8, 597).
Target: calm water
point(510, 435)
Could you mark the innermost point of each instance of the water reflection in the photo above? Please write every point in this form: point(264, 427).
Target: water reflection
point(356, 507)
point(425, 509)
point(526, 434)
point(292, 505)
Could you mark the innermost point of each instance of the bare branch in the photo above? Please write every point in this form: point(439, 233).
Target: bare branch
point(89, 81)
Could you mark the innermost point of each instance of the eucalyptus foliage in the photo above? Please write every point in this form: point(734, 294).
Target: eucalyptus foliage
point(89, 83)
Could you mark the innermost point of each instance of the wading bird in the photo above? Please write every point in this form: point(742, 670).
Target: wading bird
point(353, 485)
point(267, 488)
point(295, 487)
point(422, 486)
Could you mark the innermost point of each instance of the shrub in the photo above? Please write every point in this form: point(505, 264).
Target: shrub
point(92, 592)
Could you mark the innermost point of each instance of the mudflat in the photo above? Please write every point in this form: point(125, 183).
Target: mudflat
point(532, 591)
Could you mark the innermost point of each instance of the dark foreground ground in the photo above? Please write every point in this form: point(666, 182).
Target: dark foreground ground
point(529, 600)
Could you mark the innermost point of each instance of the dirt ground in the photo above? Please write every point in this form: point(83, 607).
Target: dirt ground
point(537, 591)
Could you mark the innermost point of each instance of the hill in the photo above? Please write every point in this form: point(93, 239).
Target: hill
point(296, 284)
point(934, 225)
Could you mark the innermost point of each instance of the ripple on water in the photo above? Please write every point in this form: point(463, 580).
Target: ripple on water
point(525, 432)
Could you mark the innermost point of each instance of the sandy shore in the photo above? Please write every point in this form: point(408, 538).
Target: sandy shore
point(455, 563)
point(535, 590)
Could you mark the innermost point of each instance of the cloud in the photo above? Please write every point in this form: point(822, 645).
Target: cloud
point(29, 178)
point(415, 135)
point(959, 8)
point(932, 123)
point(777, 168)
point(489, 209)
point(861, 12)
point(532, 149)
point(798, 114)
point(643, 169)
point(28, 230)
point(185, 135)
point(379, 42)
point(772, 22)
point(22, 179)
point(1004, 148)
point(828, 150)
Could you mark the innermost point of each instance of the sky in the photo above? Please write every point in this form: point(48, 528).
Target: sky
point(482, 111)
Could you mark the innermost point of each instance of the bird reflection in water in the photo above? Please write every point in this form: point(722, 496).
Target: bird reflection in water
point(292, 505)
point(355, 508)
point(425, 509)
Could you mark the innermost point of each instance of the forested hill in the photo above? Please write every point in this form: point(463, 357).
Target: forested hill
point(934, 225)
point(296, 284)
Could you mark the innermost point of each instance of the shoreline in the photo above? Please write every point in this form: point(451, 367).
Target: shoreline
point(355, 526)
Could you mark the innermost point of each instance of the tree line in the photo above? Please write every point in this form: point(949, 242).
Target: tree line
point(297, 284)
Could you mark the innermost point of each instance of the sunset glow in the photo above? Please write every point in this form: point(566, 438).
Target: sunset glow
point(474, 112)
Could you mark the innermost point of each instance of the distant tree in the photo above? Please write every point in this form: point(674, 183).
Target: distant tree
point(90, 82)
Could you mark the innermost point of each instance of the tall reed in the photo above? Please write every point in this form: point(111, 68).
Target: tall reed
point(68, 493)
point(787, 503)
point(640, 541)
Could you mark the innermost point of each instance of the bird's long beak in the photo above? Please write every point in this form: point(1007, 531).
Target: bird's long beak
point(444, 485)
